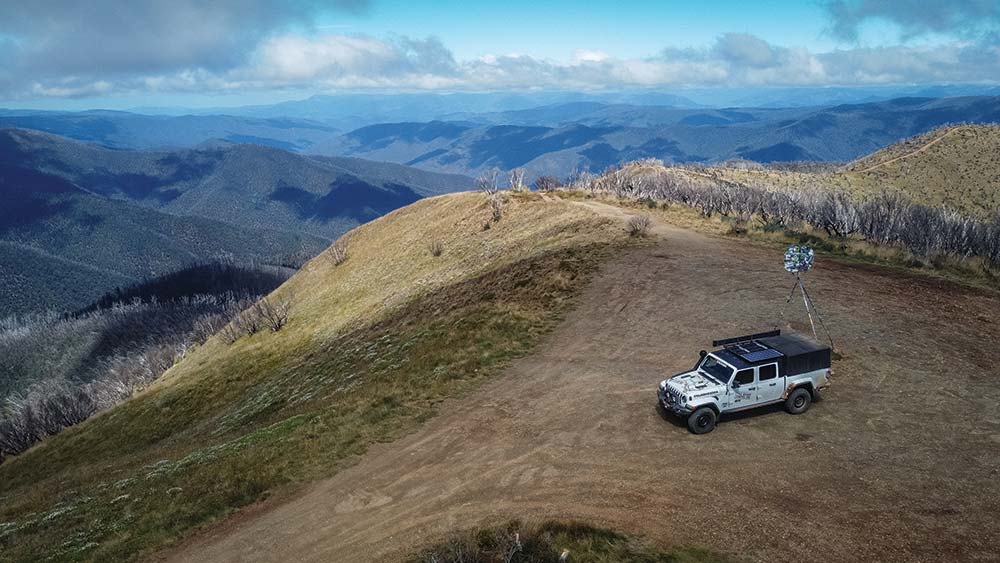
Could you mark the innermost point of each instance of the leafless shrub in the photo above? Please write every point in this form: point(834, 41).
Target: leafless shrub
point(232, 331)
point(515, 178)
point(489, 182)
point(338, 252)
point(273, 312)
point(547, 183)
point(436, 248)
point(250, 320)
point(638, 226)
point(502, 546)
point(496, 207)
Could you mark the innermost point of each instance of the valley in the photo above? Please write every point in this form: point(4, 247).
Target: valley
point(117, 216)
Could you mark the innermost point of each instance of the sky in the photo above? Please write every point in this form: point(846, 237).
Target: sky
point(123, 53)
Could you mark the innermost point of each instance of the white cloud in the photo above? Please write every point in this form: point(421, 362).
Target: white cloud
point(338, 62)
point(588, 56)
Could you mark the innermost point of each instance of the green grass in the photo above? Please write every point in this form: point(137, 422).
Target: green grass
point(371, 349)
point(516, 542)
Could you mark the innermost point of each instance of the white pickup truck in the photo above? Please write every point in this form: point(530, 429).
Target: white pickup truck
point(747, 372)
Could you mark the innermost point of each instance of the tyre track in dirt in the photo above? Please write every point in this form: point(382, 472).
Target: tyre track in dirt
point(914, 152)
point(899, 462)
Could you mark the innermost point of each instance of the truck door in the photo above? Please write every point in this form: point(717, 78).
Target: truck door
point(769, 385)
point(745, 389)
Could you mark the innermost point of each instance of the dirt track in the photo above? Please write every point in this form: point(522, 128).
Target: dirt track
point(914, 152)
point(899, 462)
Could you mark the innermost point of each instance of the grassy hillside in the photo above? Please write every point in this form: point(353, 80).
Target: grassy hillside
point(371, 347)
point(958, 167)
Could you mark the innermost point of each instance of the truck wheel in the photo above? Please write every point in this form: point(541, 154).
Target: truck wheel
point(702, 421)
point(798, 402)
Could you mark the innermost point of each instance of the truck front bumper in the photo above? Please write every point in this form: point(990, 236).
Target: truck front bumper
point(669, 404)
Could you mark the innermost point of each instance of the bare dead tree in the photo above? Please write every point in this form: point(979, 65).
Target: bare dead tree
point(547, 183)
point(515, 178)
point(489, 182)
point(273, 312)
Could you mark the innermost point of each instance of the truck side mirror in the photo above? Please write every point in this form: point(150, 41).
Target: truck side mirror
point(702, 353)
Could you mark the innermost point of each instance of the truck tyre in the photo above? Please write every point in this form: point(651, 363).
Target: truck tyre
point(702, 421)
point(798, 402)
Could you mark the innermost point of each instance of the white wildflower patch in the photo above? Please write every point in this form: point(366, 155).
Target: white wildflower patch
point(124, 483)
point(57, 512)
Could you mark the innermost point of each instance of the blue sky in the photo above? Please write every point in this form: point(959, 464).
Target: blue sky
point(556, 29)
point(121, 53)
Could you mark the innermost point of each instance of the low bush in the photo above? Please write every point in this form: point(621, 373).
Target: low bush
point(555, 542)
point(338, 253)
point(436, 248)
point(496, 207)
point(638, 226)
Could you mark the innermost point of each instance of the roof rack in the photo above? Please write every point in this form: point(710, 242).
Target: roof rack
point(746, 338)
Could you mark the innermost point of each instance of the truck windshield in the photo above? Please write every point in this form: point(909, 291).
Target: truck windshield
point(716, 369)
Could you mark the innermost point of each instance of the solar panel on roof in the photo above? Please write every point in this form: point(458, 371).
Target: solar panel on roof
point(747, 347)
point(761, 355)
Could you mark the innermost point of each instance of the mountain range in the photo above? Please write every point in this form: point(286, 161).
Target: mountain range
point(79, 219)
point(557, 138)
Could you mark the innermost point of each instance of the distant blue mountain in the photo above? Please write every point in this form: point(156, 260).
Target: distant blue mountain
point(601, 136)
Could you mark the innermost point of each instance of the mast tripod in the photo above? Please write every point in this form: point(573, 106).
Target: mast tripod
point(799, 259)
point(810, 306)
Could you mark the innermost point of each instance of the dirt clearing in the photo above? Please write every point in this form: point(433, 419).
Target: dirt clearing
point(899, 462)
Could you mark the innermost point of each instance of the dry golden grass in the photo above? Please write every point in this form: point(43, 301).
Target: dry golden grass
point(957, 167)
point(389, 264)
